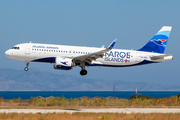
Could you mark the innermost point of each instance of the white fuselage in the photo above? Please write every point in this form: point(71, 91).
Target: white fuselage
point(34, 52)
point(65, 57)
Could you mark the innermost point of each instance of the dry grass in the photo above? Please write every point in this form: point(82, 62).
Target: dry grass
point(88, 116)
point(61, 102)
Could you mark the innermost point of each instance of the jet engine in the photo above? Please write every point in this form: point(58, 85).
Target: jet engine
point(64, 63)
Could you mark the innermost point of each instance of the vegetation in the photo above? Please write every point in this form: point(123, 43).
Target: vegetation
point(89, 116)
point(85, 102)
point(140, 96)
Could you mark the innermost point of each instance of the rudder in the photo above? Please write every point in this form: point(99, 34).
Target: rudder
point(158, 43)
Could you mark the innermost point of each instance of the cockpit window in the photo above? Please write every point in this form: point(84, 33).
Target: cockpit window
point(17, 48)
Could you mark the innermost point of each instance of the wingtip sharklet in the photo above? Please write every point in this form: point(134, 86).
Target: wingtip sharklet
point(112, 44)
point(103, 46)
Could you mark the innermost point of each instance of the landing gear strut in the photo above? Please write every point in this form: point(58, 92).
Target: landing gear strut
point(26, 68)
point(83, 71)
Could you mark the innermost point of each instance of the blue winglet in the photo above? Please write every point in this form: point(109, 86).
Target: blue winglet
point(103, 46)
point(112, 44)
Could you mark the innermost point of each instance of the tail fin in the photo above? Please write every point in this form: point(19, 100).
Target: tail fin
point(158, 43)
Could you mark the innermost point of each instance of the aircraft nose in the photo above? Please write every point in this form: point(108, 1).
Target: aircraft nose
point(7, 53)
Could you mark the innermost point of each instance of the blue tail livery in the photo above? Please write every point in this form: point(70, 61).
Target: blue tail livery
point(158, 43)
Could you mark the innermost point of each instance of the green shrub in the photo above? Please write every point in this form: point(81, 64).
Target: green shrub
point(178, 95)
point(135, 96)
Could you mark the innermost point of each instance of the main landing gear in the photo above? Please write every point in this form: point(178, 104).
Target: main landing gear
point(26, 68)
point(83, 71)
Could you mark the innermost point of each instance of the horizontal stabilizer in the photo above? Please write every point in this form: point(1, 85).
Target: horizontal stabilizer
point(162, 57)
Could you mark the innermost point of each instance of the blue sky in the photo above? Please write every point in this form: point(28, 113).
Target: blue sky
point(93, 23)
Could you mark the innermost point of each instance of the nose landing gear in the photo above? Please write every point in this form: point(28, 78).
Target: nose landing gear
point(26, 68)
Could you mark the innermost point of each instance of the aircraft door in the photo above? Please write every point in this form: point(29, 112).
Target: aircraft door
point(27, 49)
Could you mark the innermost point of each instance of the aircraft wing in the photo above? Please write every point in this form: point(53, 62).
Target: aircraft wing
point(93, 56)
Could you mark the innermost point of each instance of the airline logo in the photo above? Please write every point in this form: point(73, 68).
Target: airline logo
point(159, 42)
point(64, 63)
point(126, 60)
point(117, 56)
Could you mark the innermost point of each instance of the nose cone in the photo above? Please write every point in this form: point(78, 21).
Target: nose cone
point(7, 53)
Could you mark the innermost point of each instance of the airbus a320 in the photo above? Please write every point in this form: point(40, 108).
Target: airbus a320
point(66, 57)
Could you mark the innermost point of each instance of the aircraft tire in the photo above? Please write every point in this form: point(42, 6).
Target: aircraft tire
point(26, 68)
point(83, 72)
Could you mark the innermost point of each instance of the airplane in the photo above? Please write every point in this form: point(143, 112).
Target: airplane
point(66, 57)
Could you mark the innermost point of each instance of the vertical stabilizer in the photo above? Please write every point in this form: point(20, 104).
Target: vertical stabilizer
point(158, 43)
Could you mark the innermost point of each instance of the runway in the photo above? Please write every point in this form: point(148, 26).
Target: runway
point(104, 110)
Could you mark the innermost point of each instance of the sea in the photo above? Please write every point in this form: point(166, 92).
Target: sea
point(77, 94)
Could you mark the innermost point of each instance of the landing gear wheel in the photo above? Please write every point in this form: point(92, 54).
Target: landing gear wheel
point(83, 72)
point(26, 68)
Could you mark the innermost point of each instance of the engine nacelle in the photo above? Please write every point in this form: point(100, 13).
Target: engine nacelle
point(63, 63)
